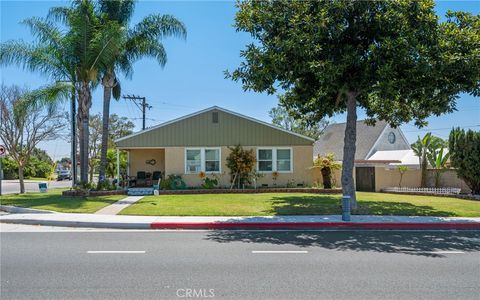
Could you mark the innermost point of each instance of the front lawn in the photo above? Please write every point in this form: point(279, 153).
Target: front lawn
point(53, 200)
point(270, 204)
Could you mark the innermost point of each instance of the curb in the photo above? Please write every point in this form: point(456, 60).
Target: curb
point(24, 210)
point(78, 224)
point(315, 225)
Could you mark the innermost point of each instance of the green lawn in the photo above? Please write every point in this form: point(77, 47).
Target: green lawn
point(53, 200)
point(299, 204)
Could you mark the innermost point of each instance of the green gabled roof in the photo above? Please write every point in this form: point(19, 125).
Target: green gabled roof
point(198, 129)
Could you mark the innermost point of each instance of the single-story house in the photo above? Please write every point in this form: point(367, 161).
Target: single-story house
point(199, 142)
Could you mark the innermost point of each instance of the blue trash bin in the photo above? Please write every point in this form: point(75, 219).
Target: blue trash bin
point(42, 186)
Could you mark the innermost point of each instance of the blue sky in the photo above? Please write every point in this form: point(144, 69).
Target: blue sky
point(193, 77)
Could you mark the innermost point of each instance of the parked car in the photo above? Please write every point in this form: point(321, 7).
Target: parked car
point(64, 174)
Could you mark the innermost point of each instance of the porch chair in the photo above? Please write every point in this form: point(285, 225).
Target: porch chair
point(141, 178)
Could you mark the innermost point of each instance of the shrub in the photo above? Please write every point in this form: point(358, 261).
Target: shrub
point(241, 164)
point(326, 164)
point(173, 182)
point(464, 149)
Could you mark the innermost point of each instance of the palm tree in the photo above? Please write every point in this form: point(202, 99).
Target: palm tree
point(438, 159)
point(50, 55)
point(422, 148)
point(142, 40)
point(93, 44)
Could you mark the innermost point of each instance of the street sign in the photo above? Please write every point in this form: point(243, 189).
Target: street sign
point(2, 151)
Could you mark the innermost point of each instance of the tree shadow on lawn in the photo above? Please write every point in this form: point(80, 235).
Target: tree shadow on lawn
point(412, 243)
point(327, 205)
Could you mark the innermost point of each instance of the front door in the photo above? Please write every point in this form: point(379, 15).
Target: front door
point(365, 179)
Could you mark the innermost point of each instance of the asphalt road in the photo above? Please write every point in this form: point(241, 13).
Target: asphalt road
point(233, 264)
point(13, 186)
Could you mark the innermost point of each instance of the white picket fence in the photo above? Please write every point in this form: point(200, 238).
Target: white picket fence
point(443, 191)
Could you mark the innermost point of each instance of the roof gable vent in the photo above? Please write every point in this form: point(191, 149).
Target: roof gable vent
point(215, 117)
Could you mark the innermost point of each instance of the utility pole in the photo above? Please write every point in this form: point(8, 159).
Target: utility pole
point(141, 103)
point(73, 154)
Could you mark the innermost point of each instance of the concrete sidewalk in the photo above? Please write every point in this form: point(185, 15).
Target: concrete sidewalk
point(252, 222)
point(118, 206)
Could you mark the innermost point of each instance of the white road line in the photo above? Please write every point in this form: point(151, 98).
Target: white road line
point(447, 252)
point(115, 252)
point(280, 251)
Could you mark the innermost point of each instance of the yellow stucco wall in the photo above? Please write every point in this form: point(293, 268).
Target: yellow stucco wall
point(174, 163)
point(138, 158)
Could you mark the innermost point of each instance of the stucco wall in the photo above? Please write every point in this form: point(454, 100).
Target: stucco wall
point(412, 178)
point(137, 158)
point(175, 164)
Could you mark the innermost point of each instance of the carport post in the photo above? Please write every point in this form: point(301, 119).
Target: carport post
point(118, 166)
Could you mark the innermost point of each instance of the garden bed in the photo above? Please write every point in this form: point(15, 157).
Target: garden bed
point(82, 193)
point(250, 191)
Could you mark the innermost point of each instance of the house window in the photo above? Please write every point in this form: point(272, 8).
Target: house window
point(202, 160)
point(274, 159)
point(212, 160)
point(194, 161)
point(284, 160)
point(265, 160)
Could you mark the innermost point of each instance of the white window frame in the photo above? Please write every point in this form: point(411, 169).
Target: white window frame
point(274, 159)
point(202, 160)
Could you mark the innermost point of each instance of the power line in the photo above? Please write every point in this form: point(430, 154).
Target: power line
point(141, 103)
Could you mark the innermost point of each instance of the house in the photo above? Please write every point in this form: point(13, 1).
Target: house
point(380, 150)
point(199, 142)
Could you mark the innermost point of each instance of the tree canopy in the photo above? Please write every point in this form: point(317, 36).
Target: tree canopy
point(394, 59)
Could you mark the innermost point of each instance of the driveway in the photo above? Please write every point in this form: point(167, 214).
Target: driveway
point(13, 186)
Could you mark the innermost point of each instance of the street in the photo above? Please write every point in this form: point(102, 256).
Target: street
point(12, 186)
point(121, 264)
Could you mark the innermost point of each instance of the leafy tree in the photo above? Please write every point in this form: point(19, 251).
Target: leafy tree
point(464, 149)
point(282, 118)
point(241, 163)
point(438, 160)
point(23, 126)
point(141, 40)
point(119, 127)
point(391, 58)
point(422, 148)
point(326, 165)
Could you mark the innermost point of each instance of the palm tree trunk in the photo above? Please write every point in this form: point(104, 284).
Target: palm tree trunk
point(424, 171)
point(107, 82)
point(84, 104)
point(349, 148)
point(21, 178)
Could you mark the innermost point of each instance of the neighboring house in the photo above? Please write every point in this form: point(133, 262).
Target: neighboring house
point(199, 143)
point(380, 150)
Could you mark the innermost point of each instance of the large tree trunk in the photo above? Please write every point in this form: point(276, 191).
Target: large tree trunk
point(21, 179)
point(349, 148)
point(84, 104)
point(107, 82)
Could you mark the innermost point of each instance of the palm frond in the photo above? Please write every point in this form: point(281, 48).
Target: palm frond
point(44, 30)
point(158, 27)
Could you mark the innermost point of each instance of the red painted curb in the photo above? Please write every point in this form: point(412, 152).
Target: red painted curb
point(317, 225)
